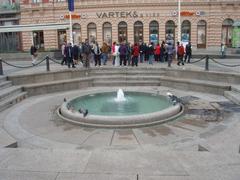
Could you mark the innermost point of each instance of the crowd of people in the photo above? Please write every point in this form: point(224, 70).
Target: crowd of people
point(123, 54)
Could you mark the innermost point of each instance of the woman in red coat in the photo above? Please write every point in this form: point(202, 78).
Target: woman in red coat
point(180, 52)
point(135, 53)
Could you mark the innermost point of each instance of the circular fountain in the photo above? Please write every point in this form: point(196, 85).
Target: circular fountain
point(126, 109)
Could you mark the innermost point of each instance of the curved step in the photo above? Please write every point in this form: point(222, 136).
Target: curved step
point(6, 141)
point(6, 103)
point(9, 92)
point(5, 84)
point(233, 96)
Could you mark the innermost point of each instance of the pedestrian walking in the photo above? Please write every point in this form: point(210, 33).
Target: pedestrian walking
point(170, 52)
point(64, 60)
point(69, 55)
point(180, 54)
point(222, 50)
point(34, 54)
point(97, 54)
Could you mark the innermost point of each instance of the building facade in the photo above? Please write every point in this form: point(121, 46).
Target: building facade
point(206, 24)
point(9, 15)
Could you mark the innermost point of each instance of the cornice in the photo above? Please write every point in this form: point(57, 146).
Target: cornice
point(78, 5)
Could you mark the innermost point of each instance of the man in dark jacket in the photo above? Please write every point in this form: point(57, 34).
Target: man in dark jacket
point(86, 53)
point(188, 54)
point(69, 55)
point(33, 52)
point(123, 53)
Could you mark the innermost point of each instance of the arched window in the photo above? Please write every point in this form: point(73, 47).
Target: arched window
point(201, 34)
point(186, 31)
point(138, 31)
point(76, 33)
point(227, 29)
point(170, 31)
point(122, 31)
point(92, 32)
point(154, 32)
point(107, 32)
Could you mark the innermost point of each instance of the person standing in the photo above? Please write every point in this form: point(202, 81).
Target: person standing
point(33, 52)
point(69, 55)
point(180, 54)
point(75, 52)
point(135, 53)
point(223, 50)
point(113, 53)
point(170, 52)
point(150, 53)
point(86, 53)
point(142, 49)
point(116, 54)
point(123, 53)
point(162, 51)
point(105, 50)
point(64, 60)
point(157, 52)
point(97, 54)
point(188, 54)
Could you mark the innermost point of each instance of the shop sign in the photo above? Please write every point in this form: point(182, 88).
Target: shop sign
point(118, 14)
point(74, 16)
point(188, 13)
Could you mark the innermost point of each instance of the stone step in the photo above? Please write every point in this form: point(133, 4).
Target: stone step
point(6, 140)
point(127, 83)
point(56, 86)
point(125, 77)
point(211, 87)
point(233, 96)
point(3, 78)
point(128, 73)
point(6, 103)
point(9, 92)
point(5, 84)
point(235, 88)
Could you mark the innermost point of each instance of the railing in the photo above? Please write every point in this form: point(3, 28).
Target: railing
point(47, 59)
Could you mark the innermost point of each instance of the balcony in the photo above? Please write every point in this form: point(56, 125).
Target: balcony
point(6, 8)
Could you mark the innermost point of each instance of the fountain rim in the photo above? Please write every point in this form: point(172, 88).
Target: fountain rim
point(92, 120)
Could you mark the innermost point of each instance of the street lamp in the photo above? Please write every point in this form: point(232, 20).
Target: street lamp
point(179, 20)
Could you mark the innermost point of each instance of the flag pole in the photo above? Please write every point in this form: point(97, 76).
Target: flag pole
point(70, 27)
point(179, 20)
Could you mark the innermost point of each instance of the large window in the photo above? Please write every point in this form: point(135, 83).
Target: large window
point(76, 33)
point(154, 32)
point(138, 31)
point(122, 31)
point(10, 42)
point(201, 34)
point(92, 32)
point(227, 29)
point(38, 39)
point(186, 31)
point(62, 37)
point(170, 31)
point(107, 33)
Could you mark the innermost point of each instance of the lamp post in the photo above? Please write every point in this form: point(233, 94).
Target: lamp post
point(179, 20)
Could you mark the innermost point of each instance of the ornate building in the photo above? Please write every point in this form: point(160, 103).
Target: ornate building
point(206, 23)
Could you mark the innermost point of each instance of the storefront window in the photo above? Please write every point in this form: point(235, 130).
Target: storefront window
point(227, 28)
point(154, 32)
point(10, 42)
point(107, 33)
point(201, 34)
point(122, 31)
point(62, 37)
point(138, 31)
point(38, 39)
point(76, 33)
point(92, 32)
point(170, 31)
point(186, 31)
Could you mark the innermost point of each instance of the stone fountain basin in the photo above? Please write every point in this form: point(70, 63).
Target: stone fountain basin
point(148, 119)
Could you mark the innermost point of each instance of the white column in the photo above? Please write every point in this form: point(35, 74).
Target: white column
point(70, 28)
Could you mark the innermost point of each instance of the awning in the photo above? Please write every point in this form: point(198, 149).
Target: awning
point(33, 27)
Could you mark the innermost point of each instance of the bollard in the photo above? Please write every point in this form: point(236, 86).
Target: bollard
point(207, 63)
point(1, 67)
point(137, 177)
point(47, 63)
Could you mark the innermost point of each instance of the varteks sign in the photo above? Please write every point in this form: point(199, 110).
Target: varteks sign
point(118, 14)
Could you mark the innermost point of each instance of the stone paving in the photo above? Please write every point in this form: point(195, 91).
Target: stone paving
point(198, 145)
